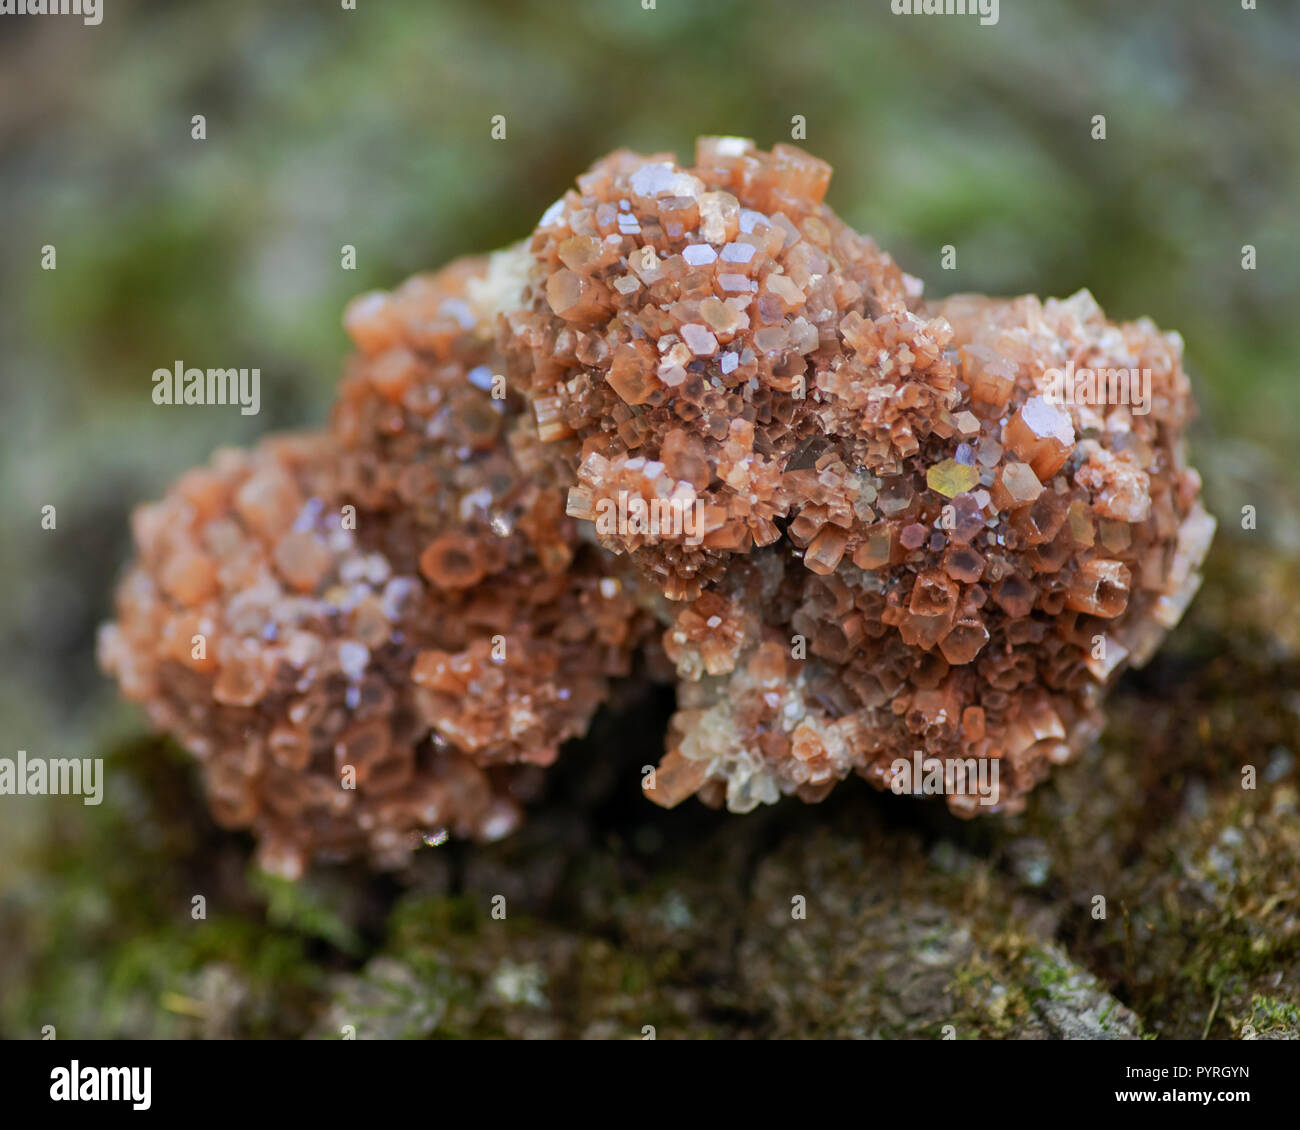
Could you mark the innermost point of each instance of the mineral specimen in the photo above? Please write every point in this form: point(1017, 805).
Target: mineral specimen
point(367, 636)
point(873, 532)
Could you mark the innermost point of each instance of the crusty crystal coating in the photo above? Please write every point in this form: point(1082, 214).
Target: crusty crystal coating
point(360, 633)
point(894, 538)
point(912, 540)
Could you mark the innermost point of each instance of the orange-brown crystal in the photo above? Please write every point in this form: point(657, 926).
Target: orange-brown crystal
point(900, 539)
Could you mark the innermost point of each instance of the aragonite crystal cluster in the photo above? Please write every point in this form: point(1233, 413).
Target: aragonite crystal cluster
point(369, 636)
point(896, 536)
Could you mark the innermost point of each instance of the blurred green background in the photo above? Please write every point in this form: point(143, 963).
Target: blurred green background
point(372, 127)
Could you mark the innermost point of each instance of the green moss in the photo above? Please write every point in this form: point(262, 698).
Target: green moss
point(302, 909)
point(1272, 1018)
